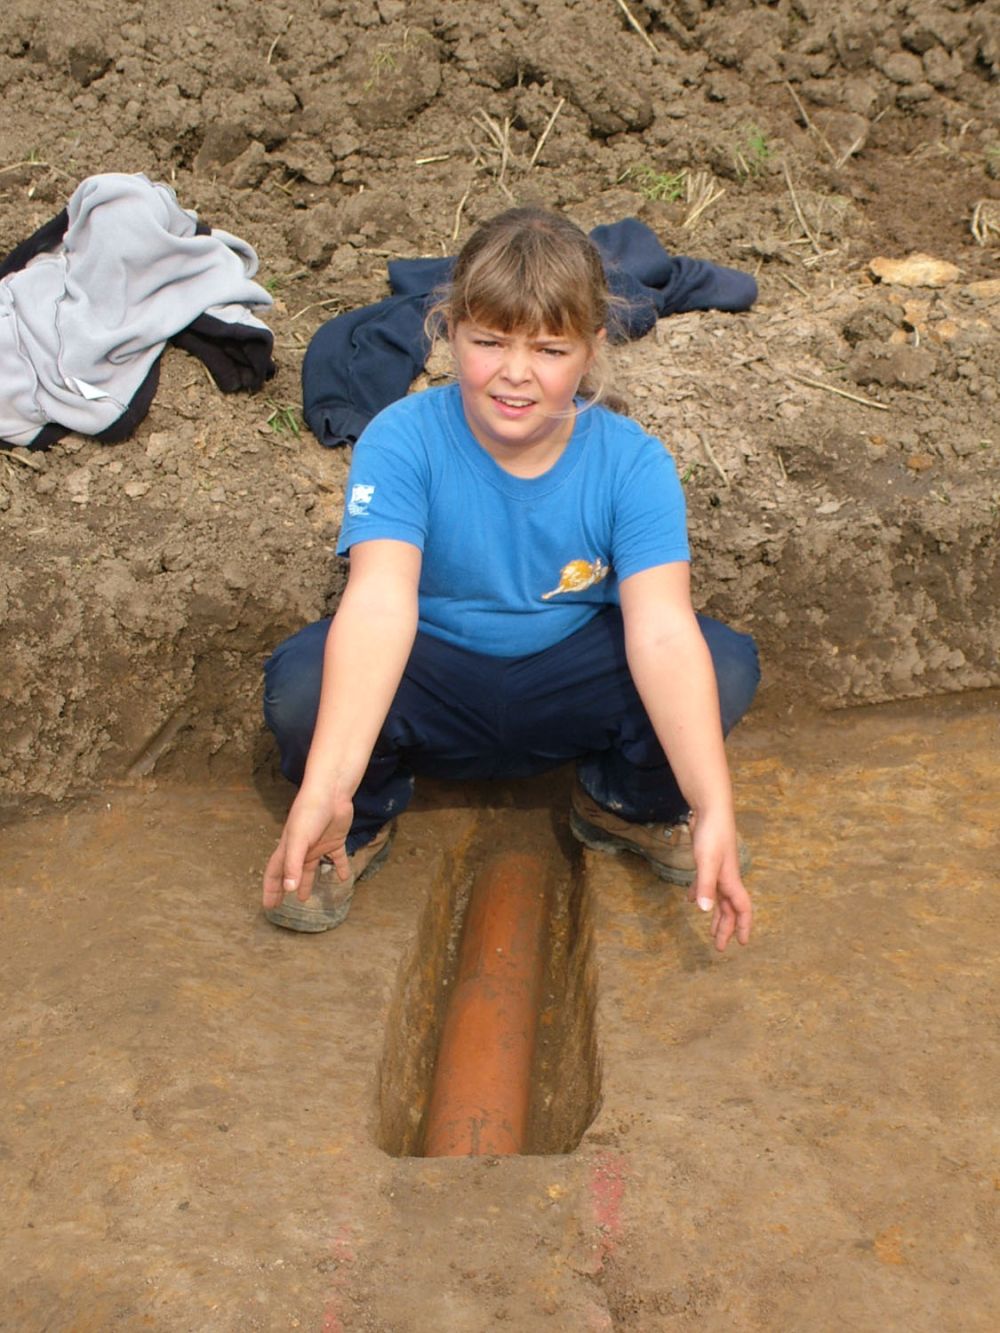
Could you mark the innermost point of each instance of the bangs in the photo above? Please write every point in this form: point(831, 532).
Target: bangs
point(529, 293)
point(530, 272)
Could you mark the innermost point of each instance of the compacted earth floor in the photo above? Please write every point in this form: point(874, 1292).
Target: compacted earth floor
point(200, 1111)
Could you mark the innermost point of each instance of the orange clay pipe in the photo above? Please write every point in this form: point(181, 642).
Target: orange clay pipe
point(482, 1081)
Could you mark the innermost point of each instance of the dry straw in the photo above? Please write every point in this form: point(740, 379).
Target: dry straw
point(637, 25)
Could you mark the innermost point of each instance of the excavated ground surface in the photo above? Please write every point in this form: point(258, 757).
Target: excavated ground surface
point(801, 1136)
point(797, 1137)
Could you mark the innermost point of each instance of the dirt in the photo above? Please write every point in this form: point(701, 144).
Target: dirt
point(195, 1121)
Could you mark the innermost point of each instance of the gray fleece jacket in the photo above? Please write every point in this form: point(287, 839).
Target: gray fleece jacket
point(82, 326)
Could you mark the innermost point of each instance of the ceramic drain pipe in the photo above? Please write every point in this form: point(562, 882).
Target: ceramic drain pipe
point(482, 1082)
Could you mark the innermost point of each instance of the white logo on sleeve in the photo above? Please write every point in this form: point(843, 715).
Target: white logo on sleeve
point(361, 497)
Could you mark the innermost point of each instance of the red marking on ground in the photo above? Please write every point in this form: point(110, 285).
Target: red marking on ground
point(342, 1253)
point(607, 1190)
point(599, 1321)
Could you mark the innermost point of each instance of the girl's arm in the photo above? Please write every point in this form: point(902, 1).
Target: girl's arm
point(672, 670)
point(367, 649)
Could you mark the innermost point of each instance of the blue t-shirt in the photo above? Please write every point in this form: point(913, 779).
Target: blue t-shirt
point(513, 565)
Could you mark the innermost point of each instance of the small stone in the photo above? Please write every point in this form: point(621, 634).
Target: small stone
point(158, 445)
point(986, 290)
point(133, 489)
point(916, 270)
point(919, 462)
point(78, 485)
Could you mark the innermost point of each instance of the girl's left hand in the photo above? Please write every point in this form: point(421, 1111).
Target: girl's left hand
point(718, 886)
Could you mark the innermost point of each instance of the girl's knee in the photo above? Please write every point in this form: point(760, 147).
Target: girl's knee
point(738, 682)
point(737, 669)
point(292, 678)
point(290, 707)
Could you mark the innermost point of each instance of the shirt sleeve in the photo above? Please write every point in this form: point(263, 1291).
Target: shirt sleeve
point(650, 523)
point(388, 486)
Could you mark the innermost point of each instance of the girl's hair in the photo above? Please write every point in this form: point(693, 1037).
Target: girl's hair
point(526, 270)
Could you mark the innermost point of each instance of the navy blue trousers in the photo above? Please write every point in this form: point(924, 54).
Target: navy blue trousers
point(463, 715)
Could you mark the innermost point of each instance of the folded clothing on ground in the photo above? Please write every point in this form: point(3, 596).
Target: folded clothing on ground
point(359, 362)
point(90, 300)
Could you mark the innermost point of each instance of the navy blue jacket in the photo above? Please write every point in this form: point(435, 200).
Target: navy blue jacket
point(359, 362)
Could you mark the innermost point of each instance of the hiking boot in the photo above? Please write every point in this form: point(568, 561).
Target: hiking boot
point(330, 900)
point(667, 847)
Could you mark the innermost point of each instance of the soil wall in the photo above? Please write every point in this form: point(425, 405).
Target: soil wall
point(838, 442)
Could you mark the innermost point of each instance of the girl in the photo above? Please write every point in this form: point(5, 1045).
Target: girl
point(518, 597)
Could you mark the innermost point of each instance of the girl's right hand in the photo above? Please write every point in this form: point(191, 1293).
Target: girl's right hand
point(314, 829)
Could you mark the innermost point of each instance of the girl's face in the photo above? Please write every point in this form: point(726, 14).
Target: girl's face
point(518, 389)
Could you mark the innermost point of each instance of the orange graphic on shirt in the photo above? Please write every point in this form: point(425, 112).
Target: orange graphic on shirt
point(577, 575)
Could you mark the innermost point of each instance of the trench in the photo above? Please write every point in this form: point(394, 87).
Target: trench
point(565, 1069)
